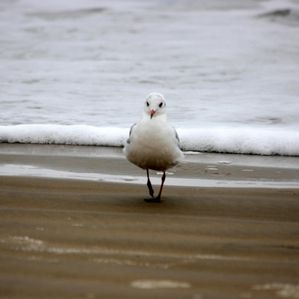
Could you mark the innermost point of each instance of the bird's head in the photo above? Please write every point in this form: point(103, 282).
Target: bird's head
point(154, 105)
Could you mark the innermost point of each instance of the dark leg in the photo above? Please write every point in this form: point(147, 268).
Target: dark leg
point(149, 185)
point(151, 190)
point(158, 198)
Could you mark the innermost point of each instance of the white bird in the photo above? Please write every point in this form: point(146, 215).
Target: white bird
point(153, 143)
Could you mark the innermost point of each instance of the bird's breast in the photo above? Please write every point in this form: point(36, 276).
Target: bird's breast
point(153, 146)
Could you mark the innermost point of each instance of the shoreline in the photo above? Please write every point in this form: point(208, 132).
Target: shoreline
point(108, 164)
point(92, 237)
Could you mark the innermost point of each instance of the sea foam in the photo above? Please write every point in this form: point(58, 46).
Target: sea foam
point(243, 140)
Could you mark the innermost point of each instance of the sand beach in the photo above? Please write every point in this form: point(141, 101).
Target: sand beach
point(74, 224)
point(73, 220)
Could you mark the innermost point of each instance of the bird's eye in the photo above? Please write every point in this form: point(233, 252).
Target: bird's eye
point(147, 104)
point(161, 105)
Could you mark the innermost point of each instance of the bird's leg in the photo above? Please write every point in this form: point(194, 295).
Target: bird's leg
point(158, 198)
point(151, 190)
point(149, 185)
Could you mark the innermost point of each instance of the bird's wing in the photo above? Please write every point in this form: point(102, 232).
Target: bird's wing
point(130, 133)
point(176, 135)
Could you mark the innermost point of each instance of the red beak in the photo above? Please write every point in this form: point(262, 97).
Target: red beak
point(152, 112)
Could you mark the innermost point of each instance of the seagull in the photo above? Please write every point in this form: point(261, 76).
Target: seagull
point(153, 144)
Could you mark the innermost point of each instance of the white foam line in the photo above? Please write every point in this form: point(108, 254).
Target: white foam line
point(128, 262)
point(159, 284)
point(29, 244)
point(283, 290)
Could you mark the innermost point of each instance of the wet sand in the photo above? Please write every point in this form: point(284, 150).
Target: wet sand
point(74, 224)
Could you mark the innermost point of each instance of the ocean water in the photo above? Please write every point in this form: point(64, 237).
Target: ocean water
point(77, 72)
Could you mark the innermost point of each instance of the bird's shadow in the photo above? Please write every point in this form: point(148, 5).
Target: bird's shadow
point(168, 204)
